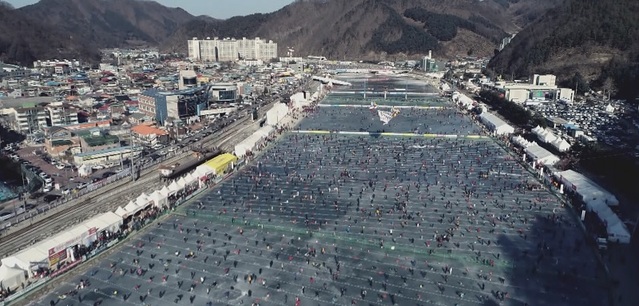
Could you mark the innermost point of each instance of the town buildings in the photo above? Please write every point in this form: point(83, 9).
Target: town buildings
point(540, 88)
point(162, 105)
point(36, 118)
point(228, 49)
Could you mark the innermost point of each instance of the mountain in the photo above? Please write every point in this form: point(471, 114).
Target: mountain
point(109, 23)
point(586, 41)
point(376, 28)
point(23, 40)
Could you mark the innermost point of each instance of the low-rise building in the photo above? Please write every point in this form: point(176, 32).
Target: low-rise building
point(107, 157)
point(95, 140)
point(223, 92)
point(59, 140)
point(144, 134)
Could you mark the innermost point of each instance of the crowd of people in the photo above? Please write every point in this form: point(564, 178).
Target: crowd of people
point(347, 220)
point(444, 120)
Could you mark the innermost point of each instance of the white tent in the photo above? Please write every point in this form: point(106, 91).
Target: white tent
point(496, 124)
point(37, 255)
point(522, 142)
point(561, 144)
point(537, 130)
point(174, 188)
point(617, 231)
point(143, 201)
point(159, 199)
point(541, 155)
point(276, 113)
point(107, 221)
point(298, 100)
point(587, 189)
point(252, 141)
point(202, 171)
point(464, 100)
point(181, 183)
point(610, 108)
point(547, 137)
point(190, 178)
point(165, 191)
point(132, 208)
point(12, 277)
point(121, 212)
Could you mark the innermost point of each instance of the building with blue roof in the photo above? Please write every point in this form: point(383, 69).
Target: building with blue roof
point(161, 105)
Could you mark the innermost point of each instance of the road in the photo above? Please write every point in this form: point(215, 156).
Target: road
point(111, 196)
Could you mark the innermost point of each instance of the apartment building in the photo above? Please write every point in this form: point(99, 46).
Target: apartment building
point(230, 49)
point(59, 114)
point(28, 120)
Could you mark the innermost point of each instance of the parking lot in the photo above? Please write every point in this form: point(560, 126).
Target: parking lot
point(357, 220)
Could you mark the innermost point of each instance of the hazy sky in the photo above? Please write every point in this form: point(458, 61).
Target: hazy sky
point(213, 8)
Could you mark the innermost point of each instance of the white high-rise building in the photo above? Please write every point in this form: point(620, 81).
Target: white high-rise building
point(227, 49)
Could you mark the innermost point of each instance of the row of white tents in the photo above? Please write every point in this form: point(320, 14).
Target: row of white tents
point(538, 154)
point(597, 200)
point(547, 136)
point(274, 116)
point(253, 141)
point(18, 267)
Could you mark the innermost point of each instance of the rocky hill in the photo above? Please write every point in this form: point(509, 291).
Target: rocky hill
point(592, 41)
point(376, 28)
point(109, 23)
point(373, 29)
point(23, 40)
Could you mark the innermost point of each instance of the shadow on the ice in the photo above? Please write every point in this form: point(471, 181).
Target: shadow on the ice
point(547, 265)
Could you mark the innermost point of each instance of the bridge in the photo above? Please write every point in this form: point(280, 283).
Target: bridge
point(331, 81)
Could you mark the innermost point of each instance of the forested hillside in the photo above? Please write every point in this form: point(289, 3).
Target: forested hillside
point(376, 29)
point(596, 39)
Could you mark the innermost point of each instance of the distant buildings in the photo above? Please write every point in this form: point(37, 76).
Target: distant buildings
point(162, 105)
point(187, 79)
point(29, 120)
point(541, 88)
point(53, 63)
point(222, 50)
point(429, 64)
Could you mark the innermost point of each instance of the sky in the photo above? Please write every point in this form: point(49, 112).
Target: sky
point(215, 8)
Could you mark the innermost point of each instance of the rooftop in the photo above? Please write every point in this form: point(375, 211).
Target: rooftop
point(24, 102)
point(94, 141)
point(144, 129)
point(108, 151)
point(160, 93)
